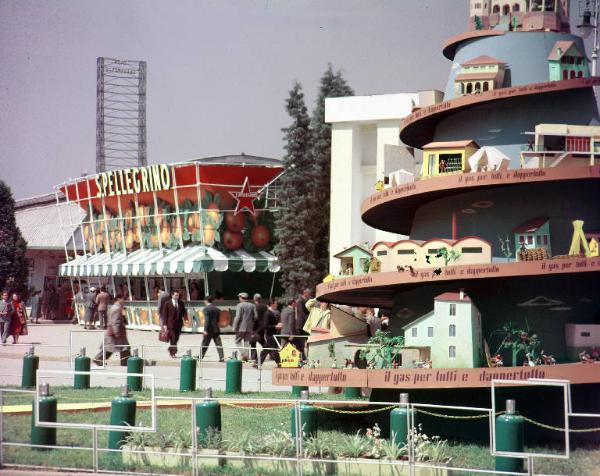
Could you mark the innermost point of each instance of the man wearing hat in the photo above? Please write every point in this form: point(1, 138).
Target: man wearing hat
point(89, 302)
point(243, 323)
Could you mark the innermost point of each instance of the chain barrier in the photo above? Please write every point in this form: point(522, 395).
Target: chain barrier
point(248, 407)
point(355, 412)
point(456, 417)
point(528, 420)
point(557, 428)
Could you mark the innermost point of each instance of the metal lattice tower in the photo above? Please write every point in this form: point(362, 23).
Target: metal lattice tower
point(120, 114)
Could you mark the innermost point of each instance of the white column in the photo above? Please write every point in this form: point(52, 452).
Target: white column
point(346, 185)
point(388, 133)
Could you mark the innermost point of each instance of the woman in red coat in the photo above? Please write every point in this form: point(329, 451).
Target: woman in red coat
point(19, 318)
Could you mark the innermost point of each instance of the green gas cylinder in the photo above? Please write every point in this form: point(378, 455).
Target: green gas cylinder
point(122, 412)
point(82, 364)
point(187, 373)
point(135, 365)
point(297, 390)
point(510, 436)
point(352, 392)
point(208, 415)
point(308, 417)
point(399, 424)
point(233, 375)
point(40, 435)
point(31, 363)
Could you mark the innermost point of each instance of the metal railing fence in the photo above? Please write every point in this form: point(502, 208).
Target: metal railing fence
point(300, 458)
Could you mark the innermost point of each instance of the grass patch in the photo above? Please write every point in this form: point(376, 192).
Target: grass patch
point(332, 426)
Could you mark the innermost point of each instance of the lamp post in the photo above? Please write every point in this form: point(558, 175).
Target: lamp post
point(589, 23)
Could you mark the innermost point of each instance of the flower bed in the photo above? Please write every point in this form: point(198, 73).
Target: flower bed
point(337, 453)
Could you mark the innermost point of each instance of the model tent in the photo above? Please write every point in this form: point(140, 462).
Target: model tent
point(488, 158)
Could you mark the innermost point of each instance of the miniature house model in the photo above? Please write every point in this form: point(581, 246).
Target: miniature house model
point(580, 337)
point(452, 331)
point(566, 61)
point(423, 254)
point(480, 74)
point(533, 234)
point(441, 158)
point(354, 260)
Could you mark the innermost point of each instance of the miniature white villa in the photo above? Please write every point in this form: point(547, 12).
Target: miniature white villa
point(452, 332)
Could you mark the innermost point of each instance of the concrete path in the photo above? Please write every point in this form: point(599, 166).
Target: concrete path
point(58, 344)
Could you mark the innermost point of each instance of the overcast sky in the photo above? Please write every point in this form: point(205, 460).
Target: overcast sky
point(218, 71)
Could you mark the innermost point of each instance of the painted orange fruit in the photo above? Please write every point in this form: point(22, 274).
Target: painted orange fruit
point(213, 212)
point(260, 236)
point(232, 240)
point(235, 222)
point(209, 234)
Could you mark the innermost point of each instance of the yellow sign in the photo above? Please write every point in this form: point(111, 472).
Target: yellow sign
point(289, 356)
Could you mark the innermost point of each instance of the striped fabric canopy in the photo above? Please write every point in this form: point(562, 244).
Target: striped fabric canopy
point(190, 260)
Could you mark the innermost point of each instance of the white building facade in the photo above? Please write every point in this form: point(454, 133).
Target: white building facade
point(365, 147)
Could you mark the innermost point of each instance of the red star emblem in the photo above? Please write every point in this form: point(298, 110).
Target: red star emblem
point(245, 198)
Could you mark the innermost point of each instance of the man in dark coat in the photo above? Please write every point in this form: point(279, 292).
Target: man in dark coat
point(173, 312)
point(211, 328)
point(272, 317)
point(260, 327)
point(301, 316)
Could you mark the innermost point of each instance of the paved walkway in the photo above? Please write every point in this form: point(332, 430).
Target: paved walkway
point(58, 344)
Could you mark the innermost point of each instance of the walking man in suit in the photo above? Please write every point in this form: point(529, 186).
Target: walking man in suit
point(115, 337)
point(243, 323)
point(211, 328)
point(173, 312)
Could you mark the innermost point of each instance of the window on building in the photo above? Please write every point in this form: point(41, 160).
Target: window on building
point(452, 351)
point(571, 60)
point(506, 9)
point(545, 239)
point(431, 164)
point(471, 249)
point(565, 74)
point(406, 252)
point(496, 9)
point(530, 240)
point(469, 88)
point(571, 74)
point(539, 240)
point(478, 5)
point(382, 253)
point(521, 239)
point(433, 251)
point(453, 309)
point(477, 86)
point(585, 334)
point(516, 7)
point(579, 60)
point(430, 332)
point(414, 332)
point(451, 162)
point(564, 60)
point(452, 330)
point(486, 86)
point(580, 74)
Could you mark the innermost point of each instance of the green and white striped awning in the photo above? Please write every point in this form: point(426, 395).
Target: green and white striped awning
point(190, 260)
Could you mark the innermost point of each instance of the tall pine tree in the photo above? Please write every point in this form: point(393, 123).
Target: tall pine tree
point(295, 221)
point(332, 85)
point(13, 264)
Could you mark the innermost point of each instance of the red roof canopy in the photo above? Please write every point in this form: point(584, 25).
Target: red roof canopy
point(531, 225)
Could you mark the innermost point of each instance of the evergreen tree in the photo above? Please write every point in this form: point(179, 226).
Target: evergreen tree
point(332, 85)
point(294, 226)
point(13, 264)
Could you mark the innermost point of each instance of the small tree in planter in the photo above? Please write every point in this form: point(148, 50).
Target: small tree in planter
point(383, 349)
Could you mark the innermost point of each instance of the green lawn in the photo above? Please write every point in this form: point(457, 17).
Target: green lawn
point(236, 422)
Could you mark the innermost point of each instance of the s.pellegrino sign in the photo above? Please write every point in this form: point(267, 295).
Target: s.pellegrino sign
point(152, 178)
